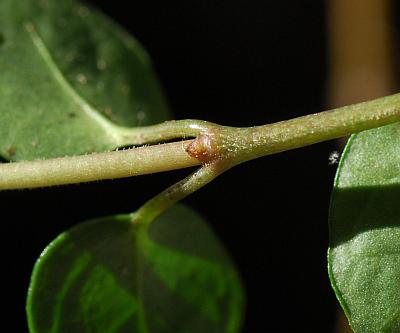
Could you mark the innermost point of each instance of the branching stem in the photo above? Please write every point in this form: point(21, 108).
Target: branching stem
point(155, 206)
point(213, 145)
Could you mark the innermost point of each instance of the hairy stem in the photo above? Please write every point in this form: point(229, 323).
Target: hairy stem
point(254, 142)
point(155, 206)
point(85, 168)
point(226, 145)
point(161, 132)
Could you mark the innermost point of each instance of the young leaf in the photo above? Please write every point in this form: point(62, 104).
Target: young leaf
point(68, 76)
point(109, 275)
point(364, 254)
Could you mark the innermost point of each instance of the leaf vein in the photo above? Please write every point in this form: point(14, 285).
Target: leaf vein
point(84, 105)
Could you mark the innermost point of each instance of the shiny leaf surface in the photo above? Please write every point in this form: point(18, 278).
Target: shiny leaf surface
point(364, 254)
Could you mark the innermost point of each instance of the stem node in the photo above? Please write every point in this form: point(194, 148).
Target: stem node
point(203, 148)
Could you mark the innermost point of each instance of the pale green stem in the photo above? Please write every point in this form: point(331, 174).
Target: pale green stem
point(155, 206)
point(228, 145)
point(238, 145)
point(249, 143)
point(85, 168)
point(161, 132)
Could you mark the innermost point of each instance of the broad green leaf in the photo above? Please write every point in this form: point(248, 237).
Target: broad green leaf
point(68, 77)
point(364, 254)
point(109, 275)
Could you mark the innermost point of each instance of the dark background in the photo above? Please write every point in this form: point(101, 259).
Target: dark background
point(236, 63)
point(244, 63)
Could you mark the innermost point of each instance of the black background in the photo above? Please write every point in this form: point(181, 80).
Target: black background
point(236, 63)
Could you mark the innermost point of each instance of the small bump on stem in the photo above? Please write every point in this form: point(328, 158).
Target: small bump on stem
point(203, 148)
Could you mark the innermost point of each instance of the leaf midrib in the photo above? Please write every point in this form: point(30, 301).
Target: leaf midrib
point(83, 104)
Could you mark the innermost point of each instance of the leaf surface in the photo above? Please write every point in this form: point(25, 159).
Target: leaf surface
point(108, 275)
point(69, 77)
point(364, 254)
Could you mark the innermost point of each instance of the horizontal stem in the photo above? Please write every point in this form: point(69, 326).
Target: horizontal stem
point(86, 168)
point(253, 142)
point(227, 145)
point(172, 129)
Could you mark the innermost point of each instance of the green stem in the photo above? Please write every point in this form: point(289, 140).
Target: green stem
point(249, 143)
point(220, 148)
point(155, 206)
point(226, 145)
point(86, 168)
point(165, 131)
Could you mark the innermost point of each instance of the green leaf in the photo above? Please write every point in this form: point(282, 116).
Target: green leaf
point(69, 76)
point(109, 275)
point(364, 254)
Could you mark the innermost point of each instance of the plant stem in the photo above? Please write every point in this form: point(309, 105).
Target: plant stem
point(227, 145)
point(155, 206)
point(85, 168)
point(253, 142)
point(165, 131)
